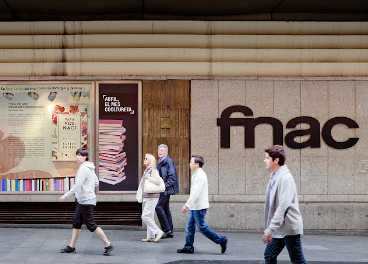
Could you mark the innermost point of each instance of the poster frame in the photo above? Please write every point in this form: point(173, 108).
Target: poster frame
point(92, 120)
point(96, 121)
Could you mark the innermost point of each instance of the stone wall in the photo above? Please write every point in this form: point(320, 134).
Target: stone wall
point(333, 192)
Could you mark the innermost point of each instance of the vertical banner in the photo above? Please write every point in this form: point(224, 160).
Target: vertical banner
point(69, 139)
point(118, 134)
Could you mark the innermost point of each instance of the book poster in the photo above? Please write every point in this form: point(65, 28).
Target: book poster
point(41, 126)
point(69, 136)
point(118, 136)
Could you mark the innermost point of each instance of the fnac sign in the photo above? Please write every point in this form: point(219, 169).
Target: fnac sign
point(314, 130)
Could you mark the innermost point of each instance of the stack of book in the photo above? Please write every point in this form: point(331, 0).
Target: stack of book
point(112, 158)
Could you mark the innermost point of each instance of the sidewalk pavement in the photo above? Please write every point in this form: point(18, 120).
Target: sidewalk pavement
point(41, 244)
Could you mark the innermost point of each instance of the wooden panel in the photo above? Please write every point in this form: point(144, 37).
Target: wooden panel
point(166, 119)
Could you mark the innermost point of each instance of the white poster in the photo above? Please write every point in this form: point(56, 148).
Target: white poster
point(33, 142)
point(69, 136)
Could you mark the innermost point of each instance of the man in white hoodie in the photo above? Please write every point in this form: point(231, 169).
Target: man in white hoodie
point(198, 205)
point(84, 190)
point(283, 220)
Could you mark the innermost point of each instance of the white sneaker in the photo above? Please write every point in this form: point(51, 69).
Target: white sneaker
point(148, 240)
point(159, 235)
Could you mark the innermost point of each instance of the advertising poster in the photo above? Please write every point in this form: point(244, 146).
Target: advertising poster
point(41, 126)
point(69, 136)
point(118, 132)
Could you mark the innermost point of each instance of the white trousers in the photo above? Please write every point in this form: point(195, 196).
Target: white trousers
point(148, 217)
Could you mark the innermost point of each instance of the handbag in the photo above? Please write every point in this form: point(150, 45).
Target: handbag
point(139, 193)
point(150, 187)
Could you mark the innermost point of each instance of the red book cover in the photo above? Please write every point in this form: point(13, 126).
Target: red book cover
point(111, 123)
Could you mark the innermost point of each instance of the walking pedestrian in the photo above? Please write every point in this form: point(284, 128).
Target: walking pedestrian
point(154, 233)
point(283, 220)
point(198, 205)
point(167, 170)
point(85, 197)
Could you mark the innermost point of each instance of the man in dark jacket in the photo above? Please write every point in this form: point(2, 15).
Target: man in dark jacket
point(167, 170)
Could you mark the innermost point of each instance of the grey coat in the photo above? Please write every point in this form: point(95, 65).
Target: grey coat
point(283, 217)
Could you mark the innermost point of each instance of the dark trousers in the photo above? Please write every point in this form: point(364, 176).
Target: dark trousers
point(163, 213)
point(84, 213)
point(293, 245)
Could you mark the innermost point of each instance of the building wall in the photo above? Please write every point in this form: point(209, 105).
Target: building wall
point(317, 69)
point(331, 188)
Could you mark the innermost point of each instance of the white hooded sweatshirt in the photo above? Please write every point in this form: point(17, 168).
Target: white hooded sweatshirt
point(85, 182)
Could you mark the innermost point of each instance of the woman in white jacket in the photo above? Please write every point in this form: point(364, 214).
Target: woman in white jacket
point(154, 233)
point(84, 190)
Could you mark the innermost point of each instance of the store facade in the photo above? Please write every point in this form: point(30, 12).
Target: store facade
point(223, 90)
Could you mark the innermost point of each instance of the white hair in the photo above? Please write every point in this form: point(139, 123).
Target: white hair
point(166, 148)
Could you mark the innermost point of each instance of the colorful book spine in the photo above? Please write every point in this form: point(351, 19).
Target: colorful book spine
point(38, 185)
point(66, 184)
point(72, 182)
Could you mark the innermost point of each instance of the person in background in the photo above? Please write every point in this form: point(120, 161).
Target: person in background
point(198, 205)
point(167, 170)
point(84, 190)
point(283, 220)
point(154, 233)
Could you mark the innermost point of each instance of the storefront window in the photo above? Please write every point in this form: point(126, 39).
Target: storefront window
point(41, 127)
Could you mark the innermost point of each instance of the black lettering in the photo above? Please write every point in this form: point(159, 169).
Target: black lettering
point(225, 122)
point(314, 131)
point(314, 141)
point(276, 126)
point(330, 141)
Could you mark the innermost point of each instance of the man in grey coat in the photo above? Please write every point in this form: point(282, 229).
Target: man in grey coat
point(283, 220)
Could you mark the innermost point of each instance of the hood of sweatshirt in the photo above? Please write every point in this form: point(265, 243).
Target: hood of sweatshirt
point(89, 165)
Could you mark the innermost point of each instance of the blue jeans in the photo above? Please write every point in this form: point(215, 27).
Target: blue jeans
point(293, 245)
point(197, 217)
